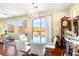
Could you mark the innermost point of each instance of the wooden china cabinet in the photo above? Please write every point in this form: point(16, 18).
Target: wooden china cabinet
point(75, 25)
point(65, 25)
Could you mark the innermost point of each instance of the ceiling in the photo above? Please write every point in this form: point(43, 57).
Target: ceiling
point(16, 9)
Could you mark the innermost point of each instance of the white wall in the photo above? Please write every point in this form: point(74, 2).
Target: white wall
point(57, 22)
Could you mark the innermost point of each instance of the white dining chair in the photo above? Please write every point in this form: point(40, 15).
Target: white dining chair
point(54, 41)
point(51, 45)
point(22, 47)
point(37, 49)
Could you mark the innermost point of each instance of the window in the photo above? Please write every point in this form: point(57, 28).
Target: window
point(16, 25)
point(39, 30)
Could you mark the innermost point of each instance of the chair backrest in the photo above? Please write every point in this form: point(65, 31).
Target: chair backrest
point(37, 49)
point(10, 50)
point(35, 34)
point(20, 45)
point(54, 40)
point(23, 37)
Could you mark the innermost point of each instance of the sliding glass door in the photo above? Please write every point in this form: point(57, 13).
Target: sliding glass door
point(43, 30)
point(36, 30)
point(39, 30)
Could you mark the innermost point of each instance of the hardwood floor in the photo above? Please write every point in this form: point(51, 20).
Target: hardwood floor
point(48, 52)
point(55, 52)
point(1, 50)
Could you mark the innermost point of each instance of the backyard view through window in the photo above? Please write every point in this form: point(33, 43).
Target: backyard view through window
point(39, 30)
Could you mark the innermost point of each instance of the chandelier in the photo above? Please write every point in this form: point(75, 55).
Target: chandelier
point(33, 10)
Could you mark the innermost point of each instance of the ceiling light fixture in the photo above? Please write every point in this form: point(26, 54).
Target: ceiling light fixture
point(33, 10)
